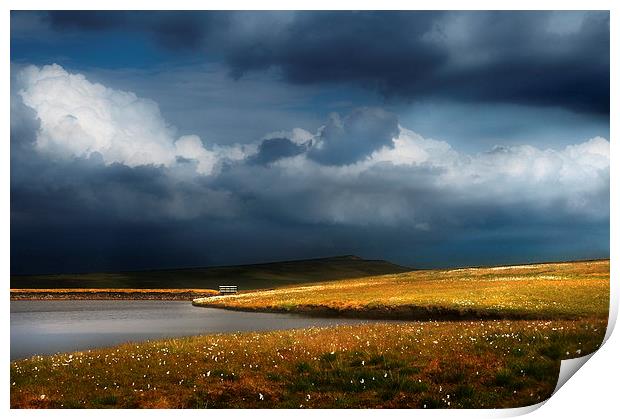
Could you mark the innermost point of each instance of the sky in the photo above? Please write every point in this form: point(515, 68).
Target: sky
point(145, 139)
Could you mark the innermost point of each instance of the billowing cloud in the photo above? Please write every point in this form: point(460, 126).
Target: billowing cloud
point(84, 120)
point(104, 164)
point(190, 147)
point(577, 168)
point(274, 149)
point(79, 118)
point(343, 141)
point(425, 183)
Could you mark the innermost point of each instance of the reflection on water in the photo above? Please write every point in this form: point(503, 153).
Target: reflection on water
point(46, 327)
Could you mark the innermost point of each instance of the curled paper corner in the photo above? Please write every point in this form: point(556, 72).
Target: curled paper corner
point(568, 368)
point(519, 411)
point(611, 321)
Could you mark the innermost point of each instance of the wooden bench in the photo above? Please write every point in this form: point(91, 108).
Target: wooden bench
point(228, 289)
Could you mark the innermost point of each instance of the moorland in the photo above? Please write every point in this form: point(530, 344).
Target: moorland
point(472, 337)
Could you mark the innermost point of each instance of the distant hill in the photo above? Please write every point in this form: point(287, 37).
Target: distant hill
point(246, 277)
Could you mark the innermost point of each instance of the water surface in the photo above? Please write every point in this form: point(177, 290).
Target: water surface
point(47, 327)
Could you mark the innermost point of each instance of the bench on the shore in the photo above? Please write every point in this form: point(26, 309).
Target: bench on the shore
point(228, 289)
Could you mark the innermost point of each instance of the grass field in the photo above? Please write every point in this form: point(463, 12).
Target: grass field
point(417, 364)
point(546, 312)
point(246, 277)
point(541, 291)
point(109, 294)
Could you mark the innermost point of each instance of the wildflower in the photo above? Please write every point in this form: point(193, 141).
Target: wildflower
point(260, 396)
point(42, 397)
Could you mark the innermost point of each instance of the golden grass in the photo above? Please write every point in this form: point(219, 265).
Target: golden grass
point(406, 364)
point(554, 290)
point(428, 364)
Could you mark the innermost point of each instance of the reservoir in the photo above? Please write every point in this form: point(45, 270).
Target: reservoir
point(48, 327)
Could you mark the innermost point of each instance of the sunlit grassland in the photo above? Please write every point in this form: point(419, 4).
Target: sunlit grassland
point(493, 363)
point(539, 291)
point(528, 318)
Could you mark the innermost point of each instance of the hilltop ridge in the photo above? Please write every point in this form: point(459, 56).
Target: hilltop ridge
point(246, 277)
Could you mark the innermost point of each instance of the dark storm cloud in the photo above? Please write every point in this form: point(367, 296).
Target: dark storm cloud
point(510, 57)
point(66, 20)
point(273, 149)
point(374, 48)
point(354, 137)
point(80, 215)
point(517, 58)
point(173, 30)
point(344, 187)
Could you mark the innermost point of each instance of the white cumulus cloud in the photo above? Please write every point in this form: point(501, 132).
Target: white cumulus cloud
point(79, 118)
point(363, 168)
point(421, 180)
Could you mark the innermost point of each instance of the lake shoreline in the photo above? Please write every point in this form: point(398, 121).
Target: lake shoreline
point(566, 291)
point(402, 312)
point(110, 294)
point(40, 327)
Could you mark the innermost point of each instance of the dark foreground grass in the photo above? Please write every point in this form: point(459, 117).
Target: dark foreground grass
point(479, 364)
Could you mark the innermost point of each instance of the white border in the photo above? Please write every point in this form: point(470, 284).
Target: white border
point(592, 392)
